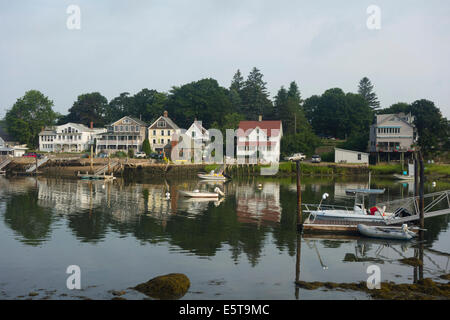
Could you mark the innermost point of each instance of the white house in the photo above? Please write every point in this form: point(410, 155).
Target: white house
point(393, 133)
point(259, 141)
point(198, 137)
point(349, 156)
point(69, 137)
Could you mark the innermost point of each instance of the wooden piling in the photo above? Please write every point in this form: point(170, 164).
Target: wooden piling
point(421, 191)
point(299, 199)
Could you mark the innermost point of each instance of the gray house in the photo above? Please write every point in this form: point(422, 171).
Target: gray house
point(393, 136)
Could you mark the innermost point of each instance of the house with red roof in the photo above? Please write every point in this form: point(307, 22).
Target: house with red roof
point(259, 141)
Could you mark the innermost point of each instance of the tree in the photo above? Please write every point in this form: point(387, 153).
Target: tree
point(238, 82)
point(146, 147)
point(28, 116)
point(430, 125)
point(89, 107)
point(118, 107)
point(148, 105)
point(255, 98)
point(365, 89)
point(203, 99)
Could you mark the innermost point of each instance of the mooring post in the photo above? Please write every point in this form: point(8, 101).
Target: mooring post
point(416, 176)
point(299, 199)
point(421, 191)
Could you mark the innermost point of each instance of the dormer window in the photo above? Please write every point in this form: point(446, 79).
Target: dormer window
point(161, 124)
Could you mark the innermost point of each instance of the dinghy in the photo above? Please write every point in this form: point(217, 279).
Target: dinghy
point(394, 233)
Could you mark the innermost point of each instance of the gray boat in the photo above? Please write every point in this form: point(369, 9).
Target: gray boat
point(394, 233)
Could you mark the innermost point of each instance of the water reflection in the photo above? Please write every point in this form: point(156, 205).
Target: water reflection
point(251, 210)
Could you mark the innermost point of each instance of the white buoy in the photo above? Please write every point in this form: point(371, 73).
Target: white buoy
point(434, 184)
point(167, 195)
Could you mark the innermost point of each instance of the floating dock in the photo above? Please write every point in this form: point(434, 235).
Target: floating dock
point(87, 176)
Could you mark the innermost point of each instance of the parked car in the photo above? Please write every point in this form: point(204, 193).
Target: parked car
point(156, 156)
point(316, 159)
point(140, 155)
point(32, 155)
point(296, 156)
point(102, 155)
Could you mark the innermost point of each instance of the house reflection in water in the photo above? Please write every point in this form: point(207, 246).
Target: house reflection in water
point(124, 202)
point(261, 205)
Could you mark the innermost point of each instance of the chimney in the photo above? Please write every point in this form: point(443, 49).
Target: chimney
point(92, 125)
point(166, 114)
point(260, 118)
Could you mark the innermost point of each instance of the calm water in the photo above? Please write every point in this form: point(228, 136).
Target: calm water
point(122, 234)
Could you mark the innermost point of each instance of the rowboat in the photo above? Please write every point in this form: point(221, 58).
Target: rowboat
point(394, 233)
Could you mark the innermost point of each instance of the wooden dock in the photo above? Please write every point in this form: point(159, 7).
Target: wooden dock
point(87, 176)
point(342, 227)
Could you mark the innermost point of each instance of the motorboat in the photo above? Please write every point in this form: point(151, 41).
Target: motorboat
point(201, 194)
point(394, 233)
point(212, 176)
point(357, 213)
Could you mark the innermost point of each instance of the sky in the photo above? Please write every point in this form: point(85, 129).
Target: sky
point(125, 46)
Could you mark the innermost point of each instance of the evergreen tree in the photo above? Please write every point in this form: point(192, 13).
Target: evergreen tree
point(365, 89)
point(255, 98)
point(146, 147)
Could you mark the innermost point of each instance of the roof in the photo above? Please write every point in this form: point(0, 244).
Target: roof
point(168, 121)
point(388, 117)
point(351, 151)
point(138, 121)
point(269, 126)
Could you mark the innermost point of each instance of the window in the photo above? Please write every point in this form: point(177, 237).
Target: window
point(168, 140)
point(161, 124)
point(162, 141)
point(193, 134)
point(168, 132)
point(137, 128)
point(126, 128)
point(359, 156)
point(162, 132)
point(154, 132)
point(154, 141)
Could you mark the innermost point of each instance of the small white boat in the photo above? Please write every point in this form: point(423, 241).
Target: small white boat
point(394, 233)
point(212, 176)
point(403, 177)
point(199, 194)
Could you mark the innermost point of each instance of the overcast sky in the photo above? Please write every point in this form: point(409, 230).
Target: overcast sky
point(124, 46)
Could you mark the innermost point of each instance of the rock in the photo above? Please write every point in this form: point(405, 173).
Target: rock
point(118, 293)
point(33, 294)
point(167, 287)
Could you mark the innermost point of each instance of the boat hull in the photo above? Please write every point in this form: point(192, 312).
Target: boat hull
point(202, 195)
point(211, 177)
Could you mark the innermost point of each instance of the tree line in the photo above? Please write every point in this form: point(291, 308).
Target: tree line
point(334, 113)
